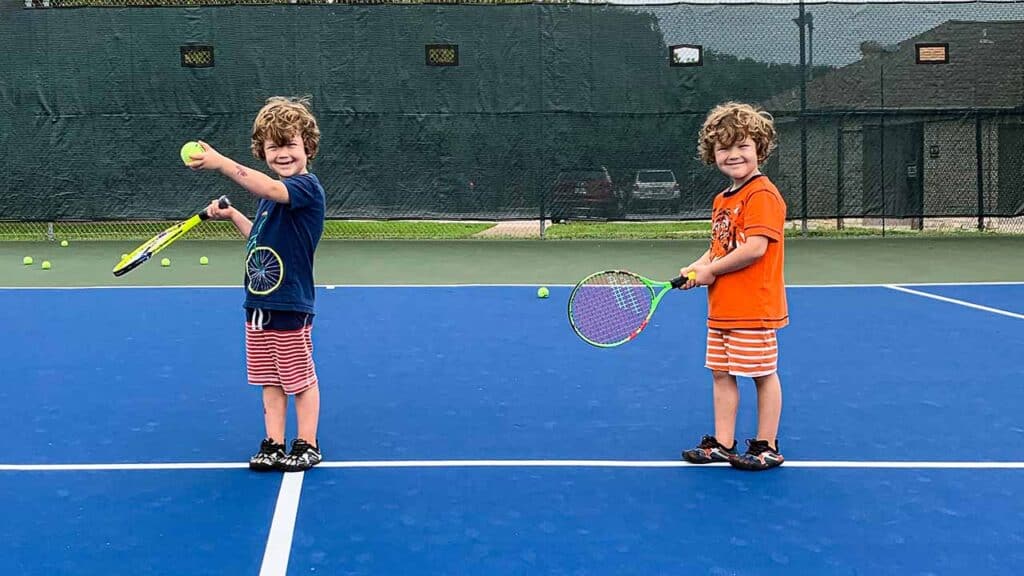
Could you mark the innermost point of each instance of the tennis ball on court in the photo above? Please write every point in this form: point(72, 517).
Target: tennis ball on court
point(203, 260)
point(26, 260)
point(46, 264)
point(542, 292)
point(63, 243)
point(165, 262)
point(189, 149)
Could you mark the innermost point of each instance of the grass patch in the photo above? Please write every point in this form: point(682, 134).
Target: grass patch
point(401, 229)
point(223, 230)
point(628, 230)
point(451, 230)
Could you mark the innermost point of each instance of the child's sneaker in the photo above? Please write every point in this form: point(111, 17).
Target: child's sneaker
point(302, 457)
point(759, 456)
point(710, 450)
point(268, 456)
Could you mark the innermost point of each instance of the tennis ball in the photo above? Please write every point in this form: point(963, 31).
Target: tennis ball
point(63, 243)
point(542, 292)
point(203, 260)
point(46, 264)
point(189, 149)
point(123, 256)
point(165, 262)
point(26, 260)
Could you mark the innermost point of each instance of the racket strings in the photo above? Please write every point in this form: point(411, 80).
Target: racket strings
point(609, 308)
point(146, 251)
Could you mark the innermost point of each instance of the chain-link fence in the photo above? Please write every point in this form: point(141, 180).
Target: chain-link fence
point(523, 117)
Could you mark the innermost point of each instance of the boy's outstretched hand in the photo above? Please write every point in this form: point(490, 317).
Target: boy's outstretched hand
point(209, 159)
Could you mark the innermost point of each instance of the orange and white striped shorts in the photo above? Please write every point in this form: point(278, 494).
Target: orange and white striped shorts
point(749, 352)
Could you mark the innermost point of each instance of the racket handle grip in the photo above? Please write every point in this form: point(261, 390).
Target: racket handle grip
point(222, 202)
point(678, 281)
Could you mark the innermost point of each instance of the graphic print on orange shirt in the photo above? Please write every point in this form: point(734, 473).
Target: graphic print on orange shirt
point(726, 231)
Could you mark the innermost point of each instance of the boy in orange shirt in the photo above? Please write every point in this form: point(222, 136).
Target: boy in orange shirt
point(746, 290)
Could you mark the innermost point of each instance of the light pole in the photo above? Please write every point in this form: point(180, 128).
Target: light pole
point(806, 23)
point(809, 19)
point(801, 21)
point(884, 51)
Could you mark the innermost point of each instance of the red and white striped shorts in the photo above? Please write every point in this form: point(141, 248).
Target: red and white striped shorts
point(750, 352)
point(279, 350)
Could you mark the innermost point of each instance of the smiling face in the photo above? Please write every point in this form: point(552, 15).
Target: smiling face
point(288, 159)
point(738, 161)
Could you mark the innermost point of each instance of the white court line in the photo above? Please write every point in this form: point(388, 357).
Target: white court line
point(907, 464)
point(520, 285)
point(126, 466)
point(959, 302)
point(279, 543)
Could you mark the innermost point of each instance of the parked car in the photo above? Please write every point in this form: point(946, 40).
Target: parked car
point(583, 193)
point(657, 188)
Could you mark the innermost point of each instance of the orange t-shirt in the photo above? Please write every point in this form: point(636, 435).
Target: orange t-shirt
point(755, 296)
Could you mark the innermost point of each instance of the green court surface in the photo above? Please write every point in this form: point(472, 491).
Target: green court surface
point(342, 262)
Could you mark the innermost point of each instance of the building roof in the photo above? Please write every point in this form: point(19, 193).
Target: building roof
point(985, 70)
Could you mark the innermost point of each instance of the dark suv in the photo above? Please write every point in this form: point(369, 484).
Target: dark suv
point(583, 193)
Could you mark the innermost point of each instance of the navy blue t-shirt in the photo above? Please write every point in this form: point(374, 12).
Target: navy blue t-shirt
point(293, 231)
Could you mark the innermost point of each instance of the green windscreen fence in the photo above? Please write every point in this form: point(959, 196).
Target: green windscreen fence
point(535, 113)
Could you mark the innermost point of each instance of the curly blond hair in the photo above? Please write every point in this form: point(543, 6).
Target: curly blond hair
point(282, 118)
point(733, 122)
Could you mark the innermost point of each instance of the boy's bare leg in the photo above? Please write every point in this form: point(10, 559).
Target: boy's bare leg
point(275, 411)
point(769, 407)
point(727, 400)
point(307, 410)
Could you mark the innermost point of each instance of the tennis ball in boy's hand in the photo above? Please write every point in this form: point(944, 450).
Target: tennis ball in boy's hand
point(189, 149)
point(46, 264)
point(63, 243)
point(203, 260)
point(26, 260)
point(542, 292)
point(165, 262)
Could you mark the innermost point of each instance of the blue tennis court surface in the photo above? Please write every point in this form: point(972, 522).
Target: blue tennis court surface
point(466, 430)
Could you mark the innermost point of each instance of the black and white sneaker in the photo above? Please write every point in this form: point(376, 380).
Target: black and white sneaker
point(302, 457)
point(760, 455)
point(709, 451)
point(268, 456)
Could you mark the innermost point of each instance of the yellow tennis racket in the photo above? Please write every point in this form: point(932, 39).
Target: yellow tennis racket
point(162, 240)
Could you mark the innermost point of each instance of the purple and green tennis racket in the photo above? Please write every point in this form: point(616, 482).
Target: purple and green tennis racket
point(612, 307)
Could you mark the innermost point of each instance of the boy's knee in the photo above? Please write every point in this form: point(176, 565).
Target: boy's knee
point(772, 378)
point(722, 376)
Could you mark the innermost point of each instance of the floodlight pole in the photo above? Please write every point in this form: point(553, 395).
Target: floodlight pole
point(802, 21)
point(809, 19)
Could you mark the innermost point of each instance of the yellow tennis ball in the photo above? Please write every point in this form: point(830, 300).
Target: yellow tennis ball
point(123, 256)
point(46, 264)
point(27, 260)
point(63, 243)
point(189, 149)
point(165, 262)
point(542, 292)
point(203, 260)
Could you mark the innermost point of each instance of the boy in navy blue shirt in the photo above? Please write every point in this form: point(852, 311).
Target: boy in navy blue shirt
point(279, 274)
